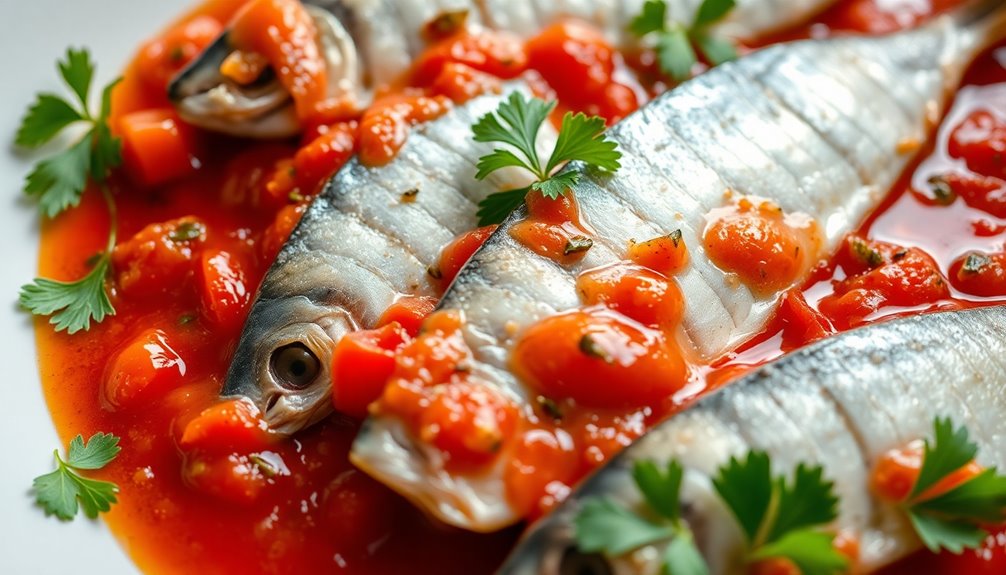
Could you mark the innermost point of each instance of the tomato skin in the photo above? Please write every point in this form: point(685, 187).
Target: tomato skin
point(408, 312)
point(457, 253)
point(159, 258)
point(362, 362)
point(635, 292)
point(801, 324)
point(981, 142)
point(225, 290)
point(144, 369)
point(598, 358)
point(980, 274)
point(162, 58)
point(897, 277)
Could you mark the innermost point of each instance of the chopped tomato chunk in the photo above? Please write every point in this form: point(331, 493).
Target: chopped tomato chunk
point(362, 362)
point(667, 254)
point(500, 54)
point(225, 291)
point(553, 228)
point(981, 142)
point(314, 163)
point(157, 147)
point(236, 478)
point(774, 566)
point(635, 292)
point(879, 275)
point(980, 192)
point(230, 425)
point(386, 124)
point(163, 57)
point(158, 259)
point(277, 233)
point(895, 474)
point(457, 253)
point(461, 83)
point(544, 463)
point(409, 312)
point(801, 324)
point(599, 358)
point(980, 274)
point(145, 369)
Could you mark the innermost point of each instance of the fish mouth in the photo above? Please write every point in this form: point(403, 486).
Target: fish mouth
point(263, 109)
point(292, 394)
point(384, 450)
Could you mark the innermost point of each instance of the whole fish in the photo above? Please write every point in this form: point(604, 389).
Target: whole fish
point(841, 403)
point(818, 126)
point(368, 43)
point(367, 239)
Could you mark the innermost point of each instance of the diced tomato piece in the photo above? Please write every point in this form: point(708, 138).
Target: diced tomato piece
point(385, 126)
point(553, 228)
point(981, 142)
point(666, 255)
point(225, 292)
point(896, 472)
point(461, 83)
point(143, 370)
point(879, 275)
point(499, 54)
point(324, 156)
point(635, 292)
point(158, 259)
point(980, 274)
point(540, 460)
point(229, 426)
point(351, 502)
point(574, 58)
point(774, 566)
point(162, 58)
point(469, 423)
point(277, 233)
point(457, 253)
point(362, 362)
point(157, 146)
point(801, 324)
point(232, 477)
point(599, 358)
point(409, 312)
point(980, 192)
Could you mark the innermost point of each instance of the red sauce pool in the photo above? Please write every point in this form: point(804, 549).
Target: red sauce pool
point(321, 516)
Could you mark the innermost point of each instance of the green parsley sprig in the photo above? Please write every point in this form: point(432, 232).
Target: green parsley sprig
point(58, 183)
point(676, 43)
point(64, 491)
point(517, 122)
point(953, 520)
point(779, 518)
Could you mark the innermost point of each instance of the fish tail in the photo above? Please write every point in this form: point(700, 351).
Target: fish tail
point(985, 18)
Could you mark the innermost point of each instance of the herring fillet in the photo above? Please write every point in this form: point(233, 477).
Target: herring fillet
point(842, 404)
point(361, 244)
point(818, 126)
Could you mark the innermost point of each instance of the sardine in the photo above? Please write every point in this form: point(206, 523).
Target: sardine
point(841, 403)
point(817, 126)
point(368, 238)
point(369, 43)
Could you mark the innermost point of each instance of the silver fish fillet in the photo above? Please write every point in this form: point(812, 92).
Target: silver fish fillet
point(368, 238)
point(817, 126)
point(841, 403)
point(367, 43)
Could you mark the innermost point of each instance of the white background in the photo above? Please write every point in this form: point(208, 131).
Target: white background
point(33, 34)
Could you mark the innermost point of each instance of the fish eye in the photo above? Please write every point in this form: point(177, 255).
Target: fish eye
point(575, 562)
point(294, 366)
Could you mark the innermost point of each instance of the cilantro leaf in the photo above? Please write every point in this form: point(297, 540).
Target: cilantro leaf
point(582, 139)
point(63, 491)
point(660, 489)
point(72, 304)
point(712, 11)
point(59, 181)
point(496, 207)
point(48, 116)
point(954, 536)
point(517, 122)
point(651, 19)
point(603, 525)
point(682, 557)
point(746, 487)
point(810, 501)
point(77, 71)
point(811, 551)
point(95, 454)
point(950, 450)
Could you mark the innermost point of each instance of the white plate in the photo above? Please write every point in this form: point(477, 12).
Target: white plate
point(33, 35)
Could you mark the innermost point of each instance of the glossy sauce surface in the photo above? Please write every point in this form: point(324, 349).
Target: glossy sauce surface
point(298, 506)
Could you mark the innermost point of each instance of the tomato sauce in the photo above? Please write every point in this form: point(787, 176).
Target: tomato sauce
point(204, 487)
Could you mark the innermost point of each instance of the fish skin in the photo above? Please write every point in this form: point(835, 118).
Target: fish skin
point(807, 125)
point(841, 403)
point(357, 248)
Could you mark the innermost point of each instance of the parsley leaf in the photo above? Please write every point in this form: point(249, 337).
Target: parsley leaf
point(682, 557)
point(746, 487)
point(809, 550)
point(603, 525)
point(517, 122)
point(71, 305)
point(953, 519)
point(808, 502)
point(58, 183)
point(60, 492)
point(676, 43)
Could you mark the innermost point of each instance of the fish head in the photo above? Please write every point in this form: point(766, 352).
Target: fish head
point(283, 360)
point(264, 109)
